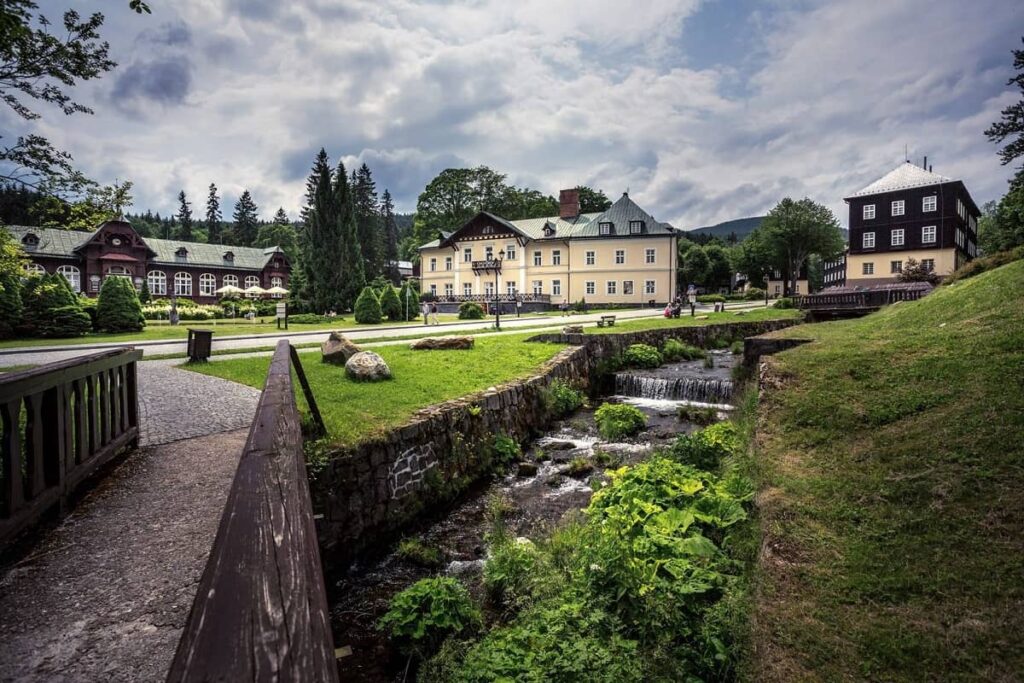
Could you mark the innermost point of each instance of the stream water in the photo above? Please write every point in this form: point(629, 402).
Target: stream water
point(536, 502)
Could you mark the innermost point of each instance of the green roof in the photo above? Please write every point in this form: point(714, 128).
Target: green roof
point(55, 242)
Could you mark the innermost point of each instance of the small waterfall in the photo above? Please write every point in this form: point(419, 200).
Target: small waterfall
point(697, 389)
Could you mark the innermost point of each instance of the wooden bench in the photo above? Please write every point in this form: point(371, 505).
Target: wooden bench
point(606, 320)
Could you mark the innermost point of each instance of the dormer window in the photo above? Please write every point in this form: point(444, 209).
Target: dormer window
point(636, 227)
point(30, 241)
point(488, 229)
point(604, 228)
point(549, 229)
point(229, 256)
point(182, 252)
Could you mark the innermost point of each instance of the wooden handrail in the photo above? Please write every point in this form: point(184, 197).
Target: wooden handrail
point(260, 612)
point(61, 422)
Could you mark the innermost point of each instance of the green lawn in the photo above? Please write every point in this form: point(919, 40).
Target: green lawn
point(687, 321)
point(354, 411)
point(892, 493)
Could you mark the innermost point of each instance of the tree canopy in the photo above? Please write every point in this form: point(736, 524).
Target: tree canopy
point(794, 230)
point(1002, 223)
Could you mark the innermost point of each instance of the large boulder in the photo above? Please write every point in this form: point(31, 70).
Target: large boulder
point(445, 343)
point(572, 329)
point(367, 366)
point(338, 349)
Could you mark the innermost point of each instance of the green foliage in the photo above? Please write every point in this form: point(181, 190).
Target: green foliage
point(619, 420)
point(675, 350)
point(67, 321)
point(915, 271)
point(144, 296)
point(579, 466)
point(89, 306)
point(697, 415)
point(641, 356)
point(705, 449)
point(10, 284)
point(790, 233)
point(283, 236)
point(709, 361)
point(118, 309)
point(409, 298)
point(561, 398)
point(469, 310)
point(506, 449)
point(736, 348)
point(419, 553)
point(754, 294)
point(580, 306)
point(510, 570)
point(367, 309)
point(50, 307)
point(421, 616)
point(390, 305)
point(984, 264)
point(710, 298)
point(783, 302)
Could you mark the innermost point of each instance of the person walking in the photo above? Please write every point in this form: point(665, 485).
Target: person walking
point(433, 315)
point(425, 309)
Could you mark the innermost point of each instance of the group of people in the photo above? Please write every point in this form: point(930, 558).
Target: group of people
point(429, 311)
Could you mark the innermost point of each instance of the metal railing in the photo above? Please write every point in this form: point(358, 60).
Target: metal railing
point(487, 298)
point(260, 612)
point(61, 421)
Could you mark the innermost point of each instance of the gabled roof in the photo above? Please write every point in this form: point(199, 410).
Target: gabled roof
point(619, 215)
point(903, 177)
point(52, 242)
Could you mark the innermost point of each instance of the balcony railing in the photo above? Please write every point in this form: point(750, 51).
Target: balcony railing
point(488, 266)
point(487, 298)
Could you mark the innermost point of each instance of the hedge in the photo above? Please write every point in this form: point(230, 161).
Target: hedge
point(49, 308)
point(367, 309)
point(119, 309)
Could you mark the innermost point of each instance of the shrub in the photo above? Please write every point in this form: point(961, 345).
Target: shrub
point(470, 311)
point(915, 271)
point(784, 302)
point(710, 299)
point(697, 415)
point(706, 448)
point(510, 570)
point(418, 552)
point(89, 305)
point(310, 319)
point(119, 309)
point(579, 466)
point(641, 356)
point(985, 263)
point(10, 302)
point(144, 295)
point(754, 294)
point(428, 611)
point(618, 420)
point(409, 298)
point(42, 296)
point(736, 348)
point(674, 350)
point(390, 306)
point(506, 449)
point(561, 399)
point(67, 321)
point(367, 309)
point(580, 306)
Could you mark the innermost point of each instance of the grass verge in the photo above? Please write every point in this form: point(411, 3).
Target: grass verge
point(703, 319)
point(892, 493)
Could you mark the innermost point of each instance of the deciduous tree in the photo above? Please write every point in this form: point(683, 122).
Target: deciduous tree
point(794, 230)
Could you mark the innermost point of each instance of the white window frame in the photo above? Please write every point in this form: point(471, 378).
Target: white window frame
point(930, 203)
point(611, 287)
point(928, 264)
point(510, 288)
point(867, 268)
point(627, 288)
point(277, 281)
point(556, 257)
point(604, 228)
point(538, 258)
point(895, 266)
point(488, 253)
point(620, 257)
point(929, 234)
point(251, 281)
point(467, 255)
point(899, 207)
point(34, 269)
point(897, 238)
point(73, 275)
point(156, 280)
point(590, 287)
point(538, 287)
point(467, 289)
point(556, 288)
point(868, 241)
point(636, 227)
point(489, 290)
point(433, 291)
point(447, 262)
point(510, 252)
point(230, 280)
point(650, 256)
point(449, 289)
point(207, 284)
point(182, 284)
point(869, 212)
point(650, 286)
point(591, 258)
point(433, 265)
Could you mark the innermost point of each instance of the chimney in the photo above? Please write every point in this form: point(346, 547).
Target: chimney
point(568, 204)
point(925, 165)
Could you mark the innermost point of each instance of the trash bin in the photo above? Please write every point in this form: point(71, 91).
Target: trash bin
point(199, 345)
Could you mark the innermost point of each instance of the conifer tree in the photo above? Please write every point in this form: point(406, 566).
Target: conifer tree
point(213, 216)
point(351, 277)
point(184, 218)
point(368, 222)
point(246, 220)
point(390, 226)
point(321, 244)
point(281, 217)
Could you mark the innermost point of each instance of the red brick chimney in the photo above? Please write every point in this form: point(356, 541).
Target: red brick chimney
point(568, 204)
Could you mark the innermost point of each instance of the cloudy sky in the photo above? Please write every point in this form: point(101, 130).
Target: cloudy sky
point(706, 110)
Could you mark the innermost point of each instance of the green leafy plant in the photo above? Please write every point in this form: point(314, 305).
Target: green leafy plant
point(641, 356)
point(754, 294)
point(506, 449)
point(474, 410)
point(710, 299)
point(736, 348)
point(697, 414)
point(510, 570)
point(419, 553)
point(579, 466)
point(784, 302)
point(119, 309)
point(390, 306)
point(367, 309)
point(469, 310)
point(706, 448)
point(618, 420)
point(561, 398)
point(675, 350)
point(424, 614)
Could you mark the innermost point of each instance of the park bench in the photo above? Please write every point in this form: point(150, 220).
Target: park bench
point(606, 320)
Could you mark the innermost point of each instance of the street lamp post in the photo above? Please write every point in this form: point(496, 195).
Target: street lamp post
point(497, 292)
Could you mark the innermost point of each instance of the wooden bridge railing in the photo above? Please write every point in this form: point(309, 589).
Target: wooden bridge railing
point(260, 612)
point(864, 300)
point(60, 422)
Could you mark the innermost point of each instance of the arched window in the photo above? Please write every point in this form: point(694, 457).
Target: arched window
point(207, 284)
point(73, 276)
point(34, 269)
point(251, 281)
point(231, 280)
point(182, 284)
point(157, 283)
point(276, 281)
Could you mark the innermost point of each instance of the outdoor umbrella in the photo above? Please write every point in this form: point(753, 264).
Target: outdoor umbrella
point(229, 289)
point(277, 290)
point(255, 290)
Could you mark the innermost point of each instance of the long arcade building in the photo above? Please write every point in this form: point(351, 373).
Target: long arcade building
point(622, 256)
point(190, 270)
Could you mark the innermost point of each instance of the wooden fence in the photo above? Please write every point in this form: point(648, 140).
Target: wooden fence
point(865, 300)
point(60, 422)
point(260, 612)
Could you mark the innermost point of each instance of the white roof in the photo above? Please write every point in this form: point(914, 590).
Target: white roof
point(903, 177)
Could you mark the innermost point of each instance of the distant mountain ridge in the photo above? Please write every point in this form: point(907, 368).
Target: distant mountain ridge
point(741, 227)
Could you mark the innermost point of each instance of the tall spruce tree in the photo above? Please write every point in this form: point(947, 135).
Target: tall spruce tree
point(368, 223)
point(246, 218)
point(184, 218)
point(352, 276)
point(213, 216)
point(387, 218)
point(281, 217)
point(321, 243)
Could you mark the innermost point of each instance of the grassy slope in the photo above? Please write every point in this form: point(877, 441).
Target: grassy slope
point(686, 321)
point(892, 494)
point(355, 411)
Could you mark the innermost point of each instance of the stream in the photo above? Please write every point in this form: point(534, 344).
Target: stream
point(536, 502)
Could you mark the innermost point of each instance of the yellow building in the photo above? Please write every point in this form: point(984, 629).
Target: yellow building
point(622, 256)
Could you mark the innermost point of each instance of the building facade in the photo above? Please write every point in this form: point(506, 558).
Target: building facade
point(189, 270)
point(910, 213)
point(622, 256)
point(834, 271)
